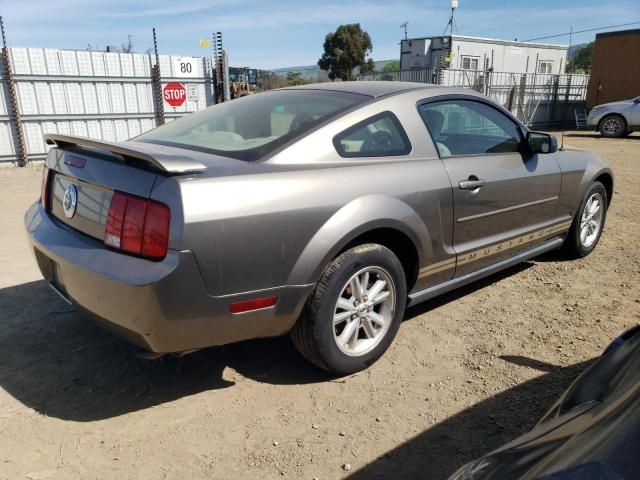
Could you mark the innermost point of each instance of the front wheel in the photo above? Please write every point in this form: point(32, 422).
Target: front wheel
point(355, 311)
point(588, 223)
point(613, 126)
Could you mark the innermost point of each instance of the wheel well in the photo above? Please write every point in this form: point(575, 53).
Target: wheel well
point(396, 241)
point(607, 181)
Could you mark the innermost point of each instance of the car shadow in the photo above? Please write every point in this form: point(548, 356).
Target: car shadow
point(63, 365)
point(554, 256)
point(460, 292)
point(597, 136)
point(438, 451)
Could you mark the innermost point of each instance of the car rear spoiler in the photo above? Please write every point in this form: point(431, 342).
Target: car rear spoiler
point(166, 163)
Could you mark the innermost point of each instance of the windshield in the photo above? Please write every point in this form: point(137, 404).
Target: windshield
point(251, 127)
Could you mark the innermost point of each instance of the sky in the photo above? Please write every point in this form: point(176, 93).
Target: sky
point(286, 33)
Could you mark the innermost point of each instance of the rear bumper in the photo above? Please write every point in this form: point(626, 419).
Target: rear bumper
point(160, 306)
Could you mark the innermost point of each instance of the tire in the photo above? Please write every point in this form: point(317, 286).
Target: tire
point(575, 245)
point(352, 344)
point(613, 126)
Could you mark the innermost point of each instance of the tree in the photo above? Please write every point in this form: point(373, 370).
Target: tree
point(582, 58)
point(344, 50)
point(321, 77)
point(392, 66)
point(389, 68)
point(368, 67)
point(295, 78)
point(269, 80)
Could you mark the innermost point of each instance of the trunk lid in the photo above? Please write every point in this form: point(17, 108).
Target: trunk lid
point(88, 172)
point(97, 169)
point(92, 185)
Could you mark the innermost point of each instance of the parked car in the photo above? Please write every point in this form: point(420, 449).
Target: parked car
point(321, 210)
point(615, 119)
point(591, 432)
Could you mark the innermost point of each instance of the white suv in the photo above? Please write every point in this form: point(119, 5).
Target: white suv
point(616, 119)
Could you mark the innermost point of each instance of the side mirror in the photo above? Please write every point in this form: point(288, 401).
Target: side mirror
point(539, 142)
point(636, 100)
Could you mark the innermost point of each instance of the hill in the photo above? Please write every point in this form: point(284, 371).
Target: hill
point(312, 72)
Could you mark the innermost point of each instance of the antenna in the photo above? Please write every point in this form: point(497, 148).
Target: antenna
point(404, 25)
point(452, 19)
point(564, 113)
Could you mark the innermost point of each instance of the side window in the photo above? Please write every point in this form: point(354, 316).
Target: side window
point(467, 127)
point(378, 136)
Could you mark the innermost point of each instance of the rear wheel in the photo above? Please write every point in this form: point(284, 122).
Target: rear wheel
point(613, 126)
point(588, 223)
point(355, 311)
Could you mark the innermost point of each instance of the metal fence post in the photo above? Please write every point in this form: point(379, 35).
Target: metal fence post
point(11, 95)
point(566, 102)
point(512, 95)
point(156, 85)
point(521, 96)
point(225, 76)
point(554, 100)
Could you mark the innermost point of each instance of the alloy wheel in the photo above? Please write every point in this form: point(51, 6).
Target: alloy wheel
point(612, 126)
point(364, 311)
point(591, 221)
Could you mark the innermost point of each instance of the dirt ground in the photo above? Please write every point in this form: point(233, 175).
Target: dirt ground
point(467, 372)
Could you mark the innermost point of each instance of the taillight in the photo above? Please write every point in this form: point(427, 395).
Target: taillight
point(44, 189)
point(138, 225)
point(155, 236)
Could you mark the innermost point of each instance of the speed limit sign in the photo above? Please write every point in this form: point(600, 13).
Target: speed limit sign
point(184, 67)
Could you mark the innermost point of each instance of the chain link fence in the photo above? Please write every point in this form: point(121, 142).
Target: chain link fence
point(538, 100)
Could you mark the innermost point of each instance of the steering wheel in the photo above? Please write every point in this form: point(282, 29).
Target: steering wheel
point(299, 120)
point(379, 141)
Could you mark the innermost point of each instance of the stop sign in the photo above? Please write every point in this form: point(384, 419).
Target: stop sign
point(174, 94)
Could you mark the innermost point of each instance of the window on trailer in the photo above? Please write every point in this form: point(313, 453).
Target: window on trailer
point(545, 66)
point(470, 63)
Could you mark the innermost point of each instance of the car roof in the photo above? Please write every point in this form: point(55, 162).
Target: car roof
point(370, 88)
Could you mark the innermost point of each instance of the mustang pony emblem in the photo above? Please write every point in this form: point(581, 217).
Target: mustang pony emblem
point(70, 201)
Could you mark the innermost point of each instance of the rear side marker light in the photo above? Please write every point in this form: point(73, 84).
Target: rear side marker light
point(138, 225)
point(250, 305)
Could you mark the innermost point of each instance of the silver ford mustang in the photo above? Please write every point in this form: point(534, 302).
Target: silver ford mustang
point(321, 210)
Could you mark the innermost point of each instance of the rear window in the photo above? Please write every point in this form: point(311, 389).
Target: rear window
point(379, 136)
point(250, 128)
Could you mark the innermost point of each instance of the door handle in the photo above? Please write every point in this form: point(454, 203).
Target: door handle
point(472, 184)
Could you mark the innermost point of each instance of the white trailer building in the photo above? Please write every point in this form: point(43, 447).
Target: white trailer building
point(477, 54)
